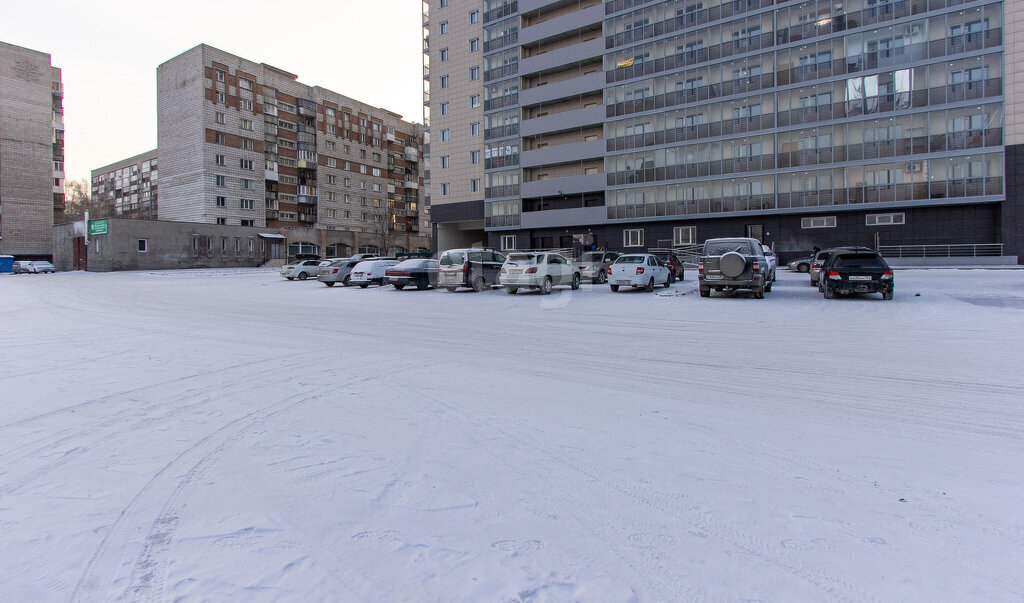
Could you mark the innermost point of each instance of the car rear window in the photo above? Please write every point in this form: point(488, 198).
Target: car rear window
point(723, 247)
point(453, 258)
point(859, 260)
point(631, 259)
point(591, 257)
point(411, 264)
point(522, 258)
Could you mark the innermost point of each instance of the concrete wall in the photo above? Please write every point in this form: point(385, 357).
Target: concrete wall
point(26, 151)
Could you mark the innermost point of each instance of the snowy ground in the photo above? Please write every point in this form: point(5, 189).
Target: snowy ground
point(229, 435)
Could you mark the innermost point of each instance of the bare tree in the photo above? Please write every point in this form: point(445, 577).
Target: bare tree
point(76, 199)
point(383, 227)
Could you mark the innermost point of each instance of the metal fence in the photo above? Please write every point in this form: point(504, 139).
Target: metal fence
point(942, 251)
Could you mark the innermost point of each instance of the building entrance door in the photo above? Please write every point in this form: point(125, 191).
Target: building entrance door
point(80, 255)
point(755, 231)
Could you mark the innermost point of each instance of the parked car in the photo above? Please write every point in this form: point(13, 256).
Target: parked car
point(821, 257)
point(477, 268)
point(594, 265)
point(638, 270)
point(41, 266)
point(364, 256)
point(801, 264)
point(32, 267)
point(300, 270)
point(773, 262)
point(416, 272)
point(371, 272)
point(538, 271)
point(673, 263)
point(728, 265)
point(849, 271)
point(336, 272)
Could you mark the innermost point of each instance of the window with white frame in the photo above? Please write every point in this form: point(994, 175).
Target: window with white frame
point(684, 235)
point(246, 204)
point(444, 135)
point(442, 28)
point(143, 245)
point(474, 45)
point(474, 129)
point(818, 222)
point(474, 101)
point(508, 242)
point(444, 54)
point(633, 237)
point(445, 163)
point(474, 16)
point(885, 219)
point(444, 108)
point(443, 189)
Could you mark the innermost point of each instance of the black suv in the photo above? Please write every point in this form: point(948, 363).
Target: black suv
point(855, 271)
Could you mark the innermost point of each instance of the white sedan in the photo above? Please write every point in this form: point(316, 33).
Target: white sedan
point(300, 270)
point(638, 270)
point(371, 272)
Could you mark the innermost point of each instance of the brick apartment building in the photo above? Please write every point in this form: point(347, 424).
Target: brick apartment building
point(31, 152)
point(127, 188)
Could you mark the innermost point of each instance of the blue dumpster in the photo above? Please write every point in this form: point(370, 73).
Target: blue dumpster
point(6, 263)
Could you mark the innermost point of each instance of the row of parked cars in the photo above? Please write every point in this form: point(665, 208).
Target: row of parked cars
point(726, 265)
point(33, 267)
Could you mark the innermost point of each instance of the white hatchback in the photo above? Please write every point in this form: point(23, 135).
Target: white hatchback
point(370, 272)
point(638, 270)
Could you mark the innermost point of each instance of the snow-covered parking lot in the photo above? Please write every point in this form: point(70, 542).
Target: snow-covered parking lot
point(229, 435)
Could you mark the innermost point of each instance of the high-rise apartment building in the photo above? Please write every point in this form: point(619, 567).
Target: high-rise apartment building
point(633, 124)
point(245, 143)
point(127, 188)
point(31, 151)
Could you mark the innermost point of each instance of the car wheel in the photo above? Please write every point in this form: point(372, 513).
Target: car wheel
point(451, 289)
point(682, 275)
point(511, 290)
point(329, 283)
point(827, 291)
point(705, 291)
point(804, 268)
point(291, 278)
point(399, 286)
point(887, 294)
point(732, 264)
point(303, 276)
point(650, 285)
point(479, 284)
point(364, 285)
point(345, 281)
point(576, 279)
point(668, 282)
point(614, 288)
point(422, 286)
point(601, 278)
point(545, 286)
point(768, 287)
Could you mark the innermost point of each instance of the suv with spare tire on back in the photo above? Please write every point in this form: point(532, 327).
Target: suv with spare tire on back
point(727, 265)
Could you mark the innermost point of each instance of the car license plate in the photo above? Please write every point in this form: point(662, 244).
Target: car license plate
point(621, 282)
point(712, 277)
point(515, 271)
point(860, 278)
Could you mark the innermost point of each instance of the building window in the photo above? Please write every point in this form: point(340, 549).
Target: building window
point(222, 221)
point(474, 185)
point(443, 28)
point(474, 73)
point(444, 54)
point(220, 75)
point(222, 201)
point(474, 45)
point(684, 235)
point(221, 98)
point(245, 164)
point(218, 159)
point(247, 204)
point(474, 156)
point(247, 124)
point(221, 180)
point(818, 222)
point(220, 138)
point(331, 178)
point(444, 81)
point(508, 242)
point(885, 219)
point(218, 117)
point(143, 245)
point(474, 101)
point(247, 145)
point(633, 237)
point(247, 184)
point(246, 104)
point(442, 3)
point(444, 108)
point(244, 84)
point(474, 16)
point(443, 189)
point(248, 223)
point(444, 162)
point(328, 111)
point(474, 129)
point(444, 135)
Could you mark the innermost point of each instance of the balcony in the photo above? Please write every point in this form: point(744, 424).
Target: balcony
point(566, 120)
point(567, 185)
point(591, 82)
point(411, 184)
point(553, 218)
point(559, 26)
point(306, 199)
point(564, 153)
point(270, 175)
point(549, 61)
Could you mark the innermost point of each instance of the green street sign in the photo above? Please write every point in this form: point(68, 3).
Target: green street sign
point(97, 227)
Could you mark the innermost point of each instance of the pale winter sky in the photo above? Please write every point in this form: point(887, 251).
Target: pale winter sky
point(109, 52)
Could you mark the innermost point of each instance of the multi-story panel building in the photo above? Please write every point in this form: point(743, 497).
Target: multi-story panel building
point(128, 188)
point(633, 124)
point(31, 151)
point(245, 143)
